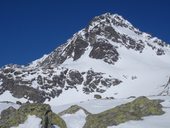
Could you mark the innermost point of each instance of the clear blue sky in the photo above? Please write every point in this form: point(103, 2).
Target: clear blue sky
point(31, 28)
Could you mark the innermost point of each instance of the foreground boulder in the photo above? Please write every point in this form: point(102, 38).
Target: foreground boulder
point(134, 110)
point(12, 117)
point(73, 109)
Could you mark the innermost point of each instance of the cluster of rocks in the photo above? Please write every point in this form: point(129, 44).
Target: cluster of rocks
point(73, 109)
point(13, 117)
point(38, 85)
point(96, 83)
point(134, 110)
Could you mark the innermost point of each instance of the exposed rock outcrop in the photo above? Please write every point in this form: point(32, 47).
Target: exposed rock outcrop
point(12, 117)
point(134, 110)
point(50, 84)
point(73, 109)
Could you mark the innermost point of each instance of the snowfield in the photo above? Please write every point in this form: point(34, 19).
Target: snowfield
point(7, 96)
point(4, 105)
point(31, 122)
point(76, 120)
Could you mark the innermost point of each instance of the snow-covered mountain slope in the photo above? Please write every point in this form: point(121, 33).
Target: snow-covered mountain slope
point(109, 57)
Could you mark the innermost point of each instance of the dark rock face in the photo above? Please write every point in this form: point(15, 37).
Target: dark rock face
point(58, 80)
point(104, 51)
point(7, 112)
point(75, 49)
point(54, 58)
point(130, 43)
point(73, 109)
point(97, 96)
point(20, 91)
point(112, 33)
point(75, 78)
point(160, 52)
point(39, 80)
point(20, 87)
point(79, 48)
point(134, 110)
point(93, 80)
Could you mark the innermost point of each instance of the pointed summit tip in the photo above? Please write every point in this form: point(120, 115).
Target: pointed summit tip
point(109, 15)
point(115, 15)
point(112, 18)
point(108, 19)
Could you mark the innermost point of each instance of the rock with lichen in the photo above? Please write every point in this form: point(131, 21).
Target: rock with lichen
point(73, 109)
point(12, 117)
point(134, 110)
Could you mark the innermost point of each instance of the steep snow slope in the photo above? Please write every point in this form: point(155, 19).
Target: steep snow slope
point(142, 74)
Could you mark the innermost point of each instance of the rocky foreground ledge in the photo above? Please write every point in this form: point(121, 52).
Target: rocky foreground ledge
point(135, 110)
point(13, 117)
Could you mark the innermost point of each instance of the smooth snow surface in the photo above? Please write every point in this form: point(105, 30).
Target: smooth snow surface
point(31, 122)
point(7, 96)
point(76, 120)
point(4, 105)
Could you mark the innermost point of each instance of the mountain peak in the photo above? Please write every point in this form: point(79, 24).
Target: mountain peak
point(109, 52)
point(116, 18)
point(109, 16)
point(104, 35)
point(108, 19)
